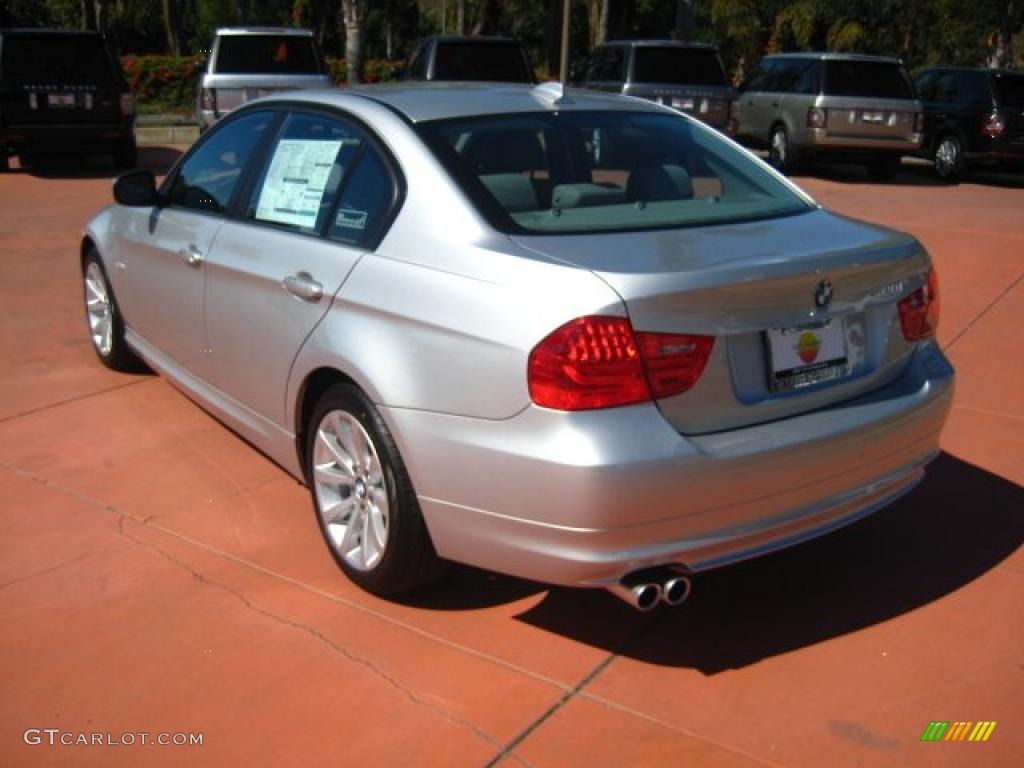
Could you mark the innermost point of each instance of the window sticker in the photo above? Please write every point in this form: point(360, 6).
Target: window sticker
point(296, 181)
point(351, 219)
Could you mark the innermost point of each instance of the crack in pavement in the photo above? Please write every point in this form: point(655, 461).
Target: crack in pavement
point(318, 635)
point(74, 399)
point(122, 517)
point(58, 566)
point(977, 318)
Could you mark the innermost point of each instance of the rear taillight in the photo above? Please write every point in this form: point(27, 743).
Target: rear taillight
point(127, 104)
point(599, 362)
point(208, 99)
point(919, 312)
point(817, 117)
point(994, 126)
point(918, 122)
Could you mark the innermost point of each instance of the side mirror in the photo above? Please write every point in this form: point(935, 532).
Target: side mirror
point(135, 188)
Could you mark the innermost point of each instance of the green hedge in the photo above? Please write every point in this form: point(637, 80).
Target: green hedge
point(172, 80)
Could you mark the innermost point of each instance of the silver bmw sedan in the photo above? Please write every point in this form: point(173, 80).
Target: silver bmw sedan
point(573, 337)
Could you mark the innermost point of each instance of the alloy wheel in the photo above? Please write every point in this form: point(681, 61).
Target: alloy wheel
point(352, 498)
point(99, 310)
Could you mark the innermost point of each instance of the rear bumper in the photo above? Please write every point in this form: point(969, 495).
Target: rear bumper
point(584, 499)
point(821, 140)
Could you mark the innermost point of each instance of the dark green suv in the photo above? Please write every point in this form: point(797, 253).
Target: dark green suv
point(62, 89)
point(972, 117)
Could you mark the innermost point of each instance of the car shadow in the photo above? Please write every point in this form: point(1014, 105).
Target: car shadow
point(912, 173)
point(961, 522)
point(158, 159)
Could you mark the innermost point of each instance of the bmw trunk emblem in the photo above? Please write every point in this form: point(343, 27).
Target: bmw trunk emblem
point(823, 294)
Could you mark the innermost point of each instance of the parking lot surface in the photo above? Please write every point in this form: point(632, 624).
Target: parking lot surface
point(158, 576)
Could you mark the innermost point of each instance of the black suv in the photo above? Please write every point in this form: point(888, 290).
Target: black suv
point(449, 57)
point(971, 117)
point(62, 90)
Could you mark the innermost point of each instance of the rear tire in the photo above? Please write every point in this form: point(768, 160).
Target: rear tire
point(949, 159)
point(365, 504)
point(782, 155)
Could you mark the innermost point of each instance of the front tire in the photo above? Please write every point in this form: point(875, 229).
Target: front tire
point(103, 317)
point(949, 159)
point(364, 500)
point(782, 154)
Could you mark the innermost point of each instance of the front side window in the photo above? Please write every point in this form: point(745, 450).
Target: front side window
point(208, 178)
point(611, 65)
point(563, 172)
point(470, 60)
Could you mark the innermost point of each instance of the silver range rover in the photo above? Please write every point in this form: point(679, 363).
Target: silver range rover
point(836, 106)
point(248, 62)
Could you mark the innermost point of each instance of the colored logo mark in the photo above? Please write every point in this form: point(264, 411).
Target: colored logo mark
point(807, 347)
point(939, 730)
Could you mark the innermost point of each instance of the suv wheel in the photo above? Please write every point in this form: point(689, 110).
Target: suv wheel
point(364, 500)
point(949, 158)
point(782, 154)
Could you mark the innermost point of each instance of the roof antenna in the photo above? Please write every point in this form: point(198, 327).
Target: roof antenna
point(552, 94)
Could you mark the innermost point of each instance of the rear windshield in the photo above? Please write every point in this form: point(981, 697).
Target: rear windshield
point(57, 60)
point(879, 79)
point(267, 55)
point(502, 62)
point(604, 171)
point(683, 66)
point(1010, 90)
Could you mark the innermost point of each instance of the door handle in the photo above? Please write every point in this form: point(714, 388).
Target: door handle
point(304, 286)
point(191, 255)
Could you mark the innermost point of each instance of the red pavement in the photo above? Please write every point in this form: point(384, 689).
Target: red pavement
point(158, 575)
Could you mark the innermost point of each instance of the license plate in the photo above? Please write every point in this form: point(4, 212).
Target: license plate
point(61, 100)
point(873, 117)
point(682, 103)
point(806, 355)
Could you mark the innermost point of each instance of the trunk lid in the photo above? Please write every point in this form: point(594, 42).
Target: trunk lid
point(742, 283)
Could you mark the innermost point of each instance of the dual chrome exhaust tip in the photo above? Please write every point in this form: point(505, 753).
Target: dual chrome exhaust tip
point(645, 595)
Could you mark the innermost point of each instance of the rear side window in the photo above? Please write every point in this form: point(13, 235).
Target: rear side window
point(879, 79)
point(209, 176)
point(945, 89)
point(57, 59)
point(797, 76)
point(604, 171)
point(365, 201)
point(689, 66)
point(267, 55)
point(503, 62)
point(1009, 90)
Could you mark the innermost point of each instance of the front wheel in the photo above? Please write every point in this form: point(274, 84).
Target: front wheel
point(106, 326)
point(364, 500)
point(782, 154)
point(949, 159)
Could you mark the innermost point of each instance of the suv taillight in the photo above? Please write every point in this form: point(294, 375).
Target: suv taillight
point(817, 117)
point(994, 126)
point(919, 312)
point(208, 99)
point(599, 362)
point(127, 104)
